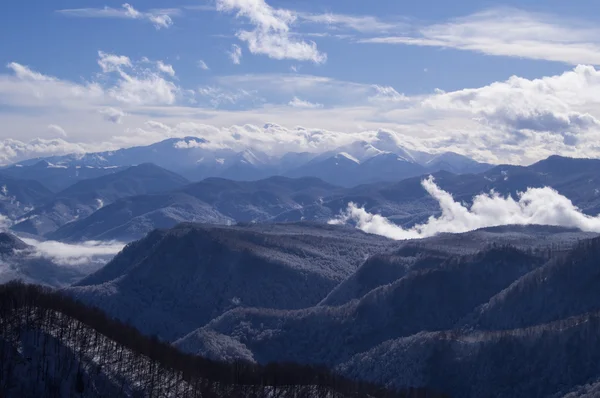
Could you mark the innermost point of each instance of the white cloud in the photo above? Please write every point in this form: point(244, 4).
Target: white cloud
point(111, 62)
point(558, 105)
point(23, 72)
point(12, 150)
point(359, 23)
point(235, 54)
point(298, 103)
point(202, 65)
point(510, 32)
point(114, 115)
point(144, 87)
point(543, 206)
point(57, 130)
point(518, 120)
point(271, 33)
point(159, 18)
point(387, 94)
point(189, 144)
point(165, 68)
point(75, 254)
point(217, 96)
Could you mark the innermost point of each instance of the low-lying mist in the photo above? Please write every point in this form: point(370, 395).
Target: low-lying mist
point(542, 206)
point(76, 254)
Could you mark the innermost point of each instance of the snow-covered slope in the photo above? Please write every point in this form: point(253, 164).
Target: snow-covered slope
point(213, 200)
point(51, 346)
point(195, 158)
point(174, 281)
point(85, 197)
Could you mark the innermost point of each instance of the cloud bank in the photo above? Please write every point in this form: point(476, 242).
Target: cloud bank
point(517, 121)
point(85, 253)
point(541, 206)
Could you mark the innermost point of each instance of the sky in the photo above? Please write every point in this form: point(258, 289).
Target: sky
point(502, 82)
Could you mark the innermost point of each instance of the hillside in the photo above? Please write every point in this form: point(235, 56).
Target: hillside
point(53, 346)
point(57, 177)
point(213, 200)
point(562, 288)
point(85, 197)
point(422, 300)
point(556, 359)
point(427, 315)
point(175, 281)
point(18, 196)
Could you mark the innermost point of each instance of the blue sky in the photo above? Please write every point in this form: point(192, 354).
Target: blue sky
point(496, 81)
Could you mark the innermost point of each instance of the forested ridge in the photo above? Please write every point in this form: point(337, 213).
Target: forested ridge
point(52, 345)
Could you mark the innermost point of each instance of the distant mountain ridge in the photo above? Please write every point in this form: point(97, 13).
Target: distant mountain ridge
point(283, 199)
point(195, 158)
point(56, 177)
point(86, 196)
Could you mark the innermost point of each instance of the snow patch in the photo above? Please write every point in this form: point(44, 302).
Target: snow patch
point(349, 157)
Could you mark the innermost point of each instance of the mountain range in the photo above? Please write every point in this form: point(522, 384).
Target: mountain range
point(174, 281)
point(232, 261)
point(283, 199)
point(197, 159)
point(85, 197)
point(458, 313)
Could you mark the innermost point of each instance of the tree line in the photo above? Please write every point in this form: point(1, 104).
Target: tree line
point(50, 341)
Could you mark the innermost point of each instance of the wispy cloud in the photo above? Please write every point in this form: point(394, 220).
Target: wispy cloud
point(159, 18)
point(202, 65)
point(509, 32)
point(83, 253)
point(235, 54)
point(271, 33)
point(543, 206)
point(57, 130)
point(298, 103)
point(114, 115)
point(359, 23)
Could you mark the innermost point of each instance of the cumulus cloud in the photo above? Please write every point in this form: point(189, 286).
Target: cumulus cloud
point(510, 32)
point(298, 103)
point(518, 120)
point(557, 104)
point(271, 33)
point(111, 62)
point(135, 86)
point(12, 150)
point(75, 254)
point(165, 68)
point(159, 18)
point(542, 206)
